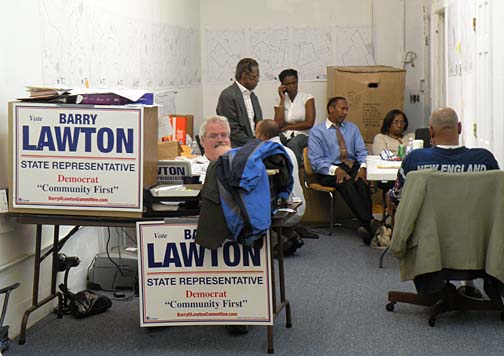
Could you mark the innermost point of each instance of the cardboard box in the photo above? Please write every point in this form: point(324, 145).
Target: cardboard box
point(186, 121)
point(371, 92)
point(168, 150)
point(81, 159)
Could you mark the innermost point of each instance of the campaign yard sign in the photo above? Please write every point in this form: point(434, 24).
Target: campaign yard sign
point(71, 157)
point(182, 283)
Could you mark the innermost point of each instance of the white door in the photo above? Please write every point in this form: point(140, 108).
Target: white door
point(467, 53)
point(453, 79)
point(484, 101)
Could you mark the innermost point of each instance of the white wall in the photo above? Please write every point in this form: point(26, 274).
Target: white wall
point(20, 65)
point(270, 13)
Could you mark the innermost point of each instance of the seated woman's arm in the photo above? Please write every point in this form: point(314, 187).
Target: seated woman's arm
point(379, 144)
point(309, 118)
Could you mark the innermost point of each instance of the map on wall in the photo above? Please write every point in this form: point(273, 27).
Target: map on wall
point(309, 50)
point(270, 48)
point(83, 41)
point(224, 49)
point(354, 46)
point(312, 52)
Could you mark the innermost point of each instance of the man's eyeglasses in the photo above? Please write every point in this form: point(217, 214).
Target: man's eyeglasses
point(214, 136)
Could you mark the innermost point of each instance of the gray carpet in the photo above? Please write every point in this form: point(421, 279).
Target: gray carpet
point(338, 296)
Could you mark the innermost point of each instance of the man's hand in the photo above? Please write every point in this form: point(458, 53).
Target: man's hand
point(341, 176)
point(361, 174)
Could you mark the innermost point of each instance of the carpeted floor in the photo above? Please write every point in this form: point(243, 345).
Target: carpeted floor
point(338, 296)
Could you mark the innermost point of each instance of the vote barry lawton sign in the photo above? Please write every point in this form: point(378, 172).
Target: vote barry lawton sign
point(182, 283)
point(71, 157)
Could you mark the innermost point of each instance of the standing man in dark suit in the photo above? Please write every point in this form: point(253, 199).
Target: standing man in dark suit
point(239, 103)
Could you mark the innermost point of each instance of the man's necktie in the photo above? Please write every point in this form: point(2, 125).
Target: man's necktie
point(342, 148)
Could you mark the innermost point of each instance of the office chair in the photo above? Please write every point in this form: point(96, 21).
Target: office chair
point(4, 329)
point(423, 134)
point(310, 183)
point(202, 150)
point(445, 230)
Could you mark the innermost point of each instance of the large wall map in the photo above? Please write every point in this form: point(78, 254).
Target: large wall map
point(82, 40)
point(308, 49)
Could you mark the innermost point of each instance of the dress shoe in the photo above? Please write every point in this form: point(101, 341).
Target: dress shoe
point(291, 242)
point(364, 234)
point(373, 226)
point(237, 329)
point(305, 233)
point(470, 292)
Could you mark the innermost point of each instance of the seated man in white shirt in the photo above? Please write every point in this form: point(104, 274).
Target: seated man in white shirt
point(269, 130)
point(214, 135)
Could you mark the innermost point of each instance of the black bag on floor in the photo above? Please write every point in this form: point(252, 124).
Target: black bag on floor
point(87, 303)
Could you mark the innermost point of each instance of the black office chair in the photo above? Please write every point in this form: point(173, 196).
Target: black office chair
point(4, 329)
point(202, 150)
point(423, 134)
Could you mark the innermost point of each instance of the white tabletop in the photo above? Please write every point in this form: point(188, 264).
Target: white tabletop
point(378, 169)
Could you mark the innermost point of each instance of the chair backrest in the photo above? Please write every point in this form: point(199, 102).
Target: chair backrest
point(309, 174)
point(450, 220)
point(198, 140)
point(423, 134)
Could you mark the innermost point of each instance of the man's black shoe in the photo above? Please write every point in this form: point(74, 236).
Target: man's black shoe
point(364, 234)
point(373, 226)
point(470, 292)
point(237, 329)
point(305, 233)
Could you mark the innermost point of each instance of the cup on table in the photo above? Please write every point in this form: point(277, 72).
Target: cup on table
point(417, 144)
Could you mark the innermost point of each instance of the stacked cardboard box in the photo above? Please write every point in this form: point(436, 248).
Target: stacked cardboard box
point(371, 92)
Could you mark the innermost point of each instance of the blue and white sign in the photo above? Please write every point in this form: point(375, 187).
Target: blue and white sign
point(77, 157)
point(182, 283)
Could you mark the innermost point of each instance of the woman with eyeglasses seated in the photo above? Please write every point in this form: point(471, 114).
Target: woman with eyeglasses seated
point(392, 134)
point(294, 113)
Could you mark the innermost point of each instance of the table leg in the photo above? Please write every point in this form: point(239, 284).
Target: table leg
point(36, 277)
point(281, 272)
point(273, 291)
point(270, 339)
point(36, 281)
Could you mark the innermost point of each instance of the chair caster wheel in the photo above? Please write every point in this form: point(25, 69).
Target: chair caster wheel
point(432, 322)
point(390, 306)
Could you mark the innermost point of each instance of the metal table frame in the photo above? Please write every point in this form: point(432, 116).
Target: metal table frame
point(278, 220)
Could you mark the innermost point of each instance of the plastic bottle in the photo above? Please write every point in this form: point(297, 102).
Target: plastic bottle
point(195, 148)
point(409, 147)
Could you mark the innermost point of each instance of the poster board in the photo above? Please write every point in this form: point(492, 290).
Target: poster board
point(182, 283)
point(66, 159)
